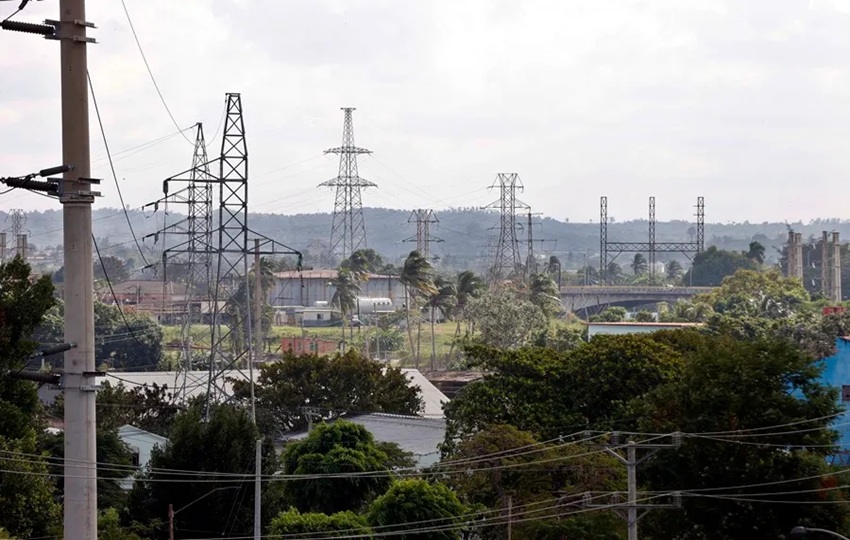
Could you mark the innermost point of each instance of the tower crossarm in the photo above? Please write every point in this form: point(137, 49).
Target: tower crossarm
point(347, 150)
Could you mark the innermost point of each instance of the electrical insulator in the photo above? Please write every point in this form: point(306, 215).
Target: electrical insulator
point(55, 170)
point(677, 439)
point(677, 499)
point(28, 28)
point(34, 185)
point(615, 437)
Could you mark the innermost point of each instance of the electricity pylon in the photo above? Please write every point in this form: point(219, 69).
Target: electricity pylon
point(348, 231)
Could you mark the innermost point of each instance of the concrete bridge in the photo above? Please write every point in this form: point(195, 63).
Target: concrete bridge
point(594, 298)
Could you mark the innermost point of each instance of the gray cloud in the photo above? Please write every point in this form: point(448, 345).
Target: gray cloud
point(743, 102)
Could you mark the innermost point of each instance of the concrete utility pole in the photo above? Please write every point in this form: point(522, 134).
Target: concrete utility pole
point(258, 302)
point(631, 461)
point(80, 513)
point(76, 196)
point(258, 493)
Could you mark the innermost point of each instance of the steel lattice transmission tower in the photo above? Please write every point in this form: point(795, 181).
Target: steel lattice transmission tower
point(348, 232)
point(194, 232)
point(423, 237)
point(226, 245)
point(506, 258)
point(16, 219)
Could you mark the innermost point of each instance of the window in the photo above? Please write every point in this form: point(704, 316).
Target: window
point(845, 393)
point(135, 459)
point(320, 316)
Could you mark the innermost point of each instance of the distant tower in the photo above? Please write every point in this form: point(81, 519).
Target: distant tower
point(795, 255)
point(16, 220)
point(348, 232)
point(826, 266)
point(836, 269)
point(506, 261)
point(423, 238)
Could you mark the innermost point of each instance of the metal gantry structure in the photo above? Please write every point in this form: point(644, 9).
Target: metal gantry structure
point(348, 231)
point(423, 237)
point(506, 258)
point(224, 246)
point(651, 247)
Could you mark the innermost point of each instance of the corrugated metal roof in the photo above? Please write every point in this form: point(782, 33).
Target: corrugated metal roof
point(635, 323)
point(196, 384)
point(414, 434)
point(321, 274)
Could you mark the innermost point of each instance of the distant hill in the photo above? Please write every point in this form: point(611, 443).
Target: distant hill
point(465, 232)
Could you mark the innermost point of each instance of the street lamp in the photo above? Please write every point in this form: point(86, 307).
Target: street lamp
point(799, 531)
point(172, 512)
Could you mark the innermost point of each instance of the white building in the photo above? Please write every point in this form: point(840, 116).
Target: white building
point(313, 316)
point(419, 436)
point(310, 286)
point(140, 443)
point(632, 327)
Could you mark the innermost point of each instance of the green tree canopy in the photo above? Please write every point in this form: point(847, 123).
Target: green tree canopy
point(150, 408)
point(674, 270)
point(749, 293)
point(218, 448)
point(135, 344)
point(739, 394)
point(507, 460)
point(339, 448)
point(611, 314)
point(639, 264)
point(543, 293)
point(505, 321)
point(712, 265)
point(111, 268)
point(292, 523)
point(27, 504)
point(548, 393)
point(334, 385)
point(417, 500)
point(755, 252)
point(114, 464)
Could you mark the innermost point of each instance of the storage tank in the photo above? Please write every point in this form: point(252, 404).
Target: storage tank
point(366, 305)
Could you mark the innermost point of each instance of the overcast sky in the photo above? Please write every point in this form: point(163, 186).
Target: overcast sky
point(742, 101)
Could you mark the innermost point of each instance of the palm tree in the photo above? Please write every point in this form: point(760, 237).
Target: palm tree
point(444, 299)
point(360, 264)
point(543, 293)
point(674, 271)
point(553, 267)
point(416, 276)
point(639, 265)
point(345, 298)
point(615, 273)
point(468, 286)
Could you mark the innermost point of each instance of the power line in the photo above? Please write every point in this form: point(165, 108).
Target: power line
point(150, 72)
point(112, 291)
point(112, 167)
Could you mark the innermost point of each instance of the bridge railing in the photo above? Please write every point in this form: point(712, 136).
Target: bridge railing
point(640, 289)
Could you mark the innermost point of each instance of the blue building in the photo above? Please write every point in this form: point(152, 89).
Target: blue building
point(836, 373)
